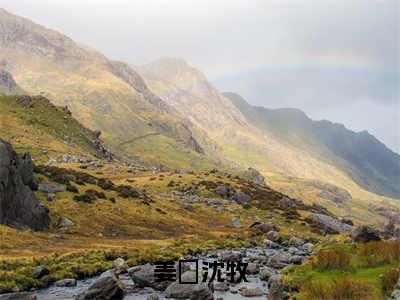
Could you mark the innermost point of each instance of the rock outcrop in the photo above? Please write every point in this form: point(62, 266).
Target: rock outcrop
point(328, 224)
point(18, 204)
point(7, 83)
point(365, 234)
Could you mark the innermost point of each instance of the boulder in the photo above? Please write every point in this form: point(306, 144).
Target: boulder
point(236, 223)
point(65, 222)
point(230, 256)
point(193, 291)
point(296, 259)
point(308, 247)
point(252, 268)
point(220, 286)
point(364, 234)
point(270, 244)
point(266, 273)
point(273, 236)
point(255, 177)
point(328, 224)
point(296, 242)
point(68, 282)
point(51, 188)
point(106, 287)
point(225, 191)
point(18, 204)
point(251, 292)
point(279, 260)
point(120, 265)
point(143, 276)
point(18, 296)
point(153, 297)
point(242, 198)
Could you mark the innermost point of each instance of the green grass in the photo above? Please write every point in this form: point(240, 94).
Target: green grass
point(327, 270)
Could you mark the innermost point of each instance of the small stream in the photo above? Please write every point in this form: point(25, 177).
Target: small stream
point(262, 256)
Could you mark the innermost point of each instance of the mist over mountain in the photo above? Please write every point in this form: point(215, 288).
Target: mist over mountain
point(168, 113)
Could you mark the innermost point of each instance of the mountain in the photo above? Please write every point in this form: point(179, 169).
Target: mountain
point(365, 159)
point(104, 95)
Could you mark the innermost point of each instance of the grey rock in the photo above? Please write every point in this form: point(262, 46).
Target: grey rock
point(296, 242)
point(225, 191)
point(329, 224)
point(18, 204)
point(273, 236)
point(106, 287)
point(270, 244)
point(120, 265)
point(68, 282)
point(225, 256)
point(308, 247)
point(18, 296)
point(143, 276)
point(252, 268)
point(242, 198)
point(65, 222)
point(199, 291)
point(236, 223)
point(152, 297)
point(266, 273)
point(220, 286)
point(251, 292)
point(51, 188)
point(255, 176)
point(296, 259)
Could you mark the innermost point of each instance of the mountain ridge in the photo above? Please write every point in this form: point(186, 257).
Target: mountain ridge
point(371, 164)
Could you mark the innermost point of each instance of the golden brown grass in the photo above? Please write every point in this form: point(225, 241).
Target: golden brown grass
point(377, 253)
point(343, 288)
point(389, 279)
point(332, 259)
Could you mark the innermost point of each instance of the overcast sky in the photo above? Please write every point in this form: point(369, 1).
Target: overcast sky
point(334, 59)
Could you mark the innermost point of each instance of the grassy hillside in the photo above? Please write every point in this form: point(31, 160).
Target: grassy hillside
point(34, 124)
point(139, 215)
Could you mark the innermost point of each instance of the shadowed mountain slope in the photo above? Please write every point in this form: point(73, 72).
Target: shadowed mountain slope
point(369, 162)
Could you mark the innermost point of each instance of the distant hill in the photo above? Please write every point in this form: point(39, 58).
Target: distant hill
point(368, 161)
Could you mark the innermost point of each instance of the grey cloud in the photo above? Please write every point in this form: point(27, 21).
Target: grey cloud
point(262, 49)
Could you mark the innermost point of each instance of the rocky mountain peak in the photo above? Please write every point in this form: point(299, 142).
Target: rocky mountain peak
point(18, 33)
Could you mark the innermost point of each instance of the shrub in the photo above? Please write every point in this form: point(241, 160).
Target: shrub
point(105, 184)
point(72, 189)
point(125, 191)
point(389, 279)
point(332, 259)
point(340, 289)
